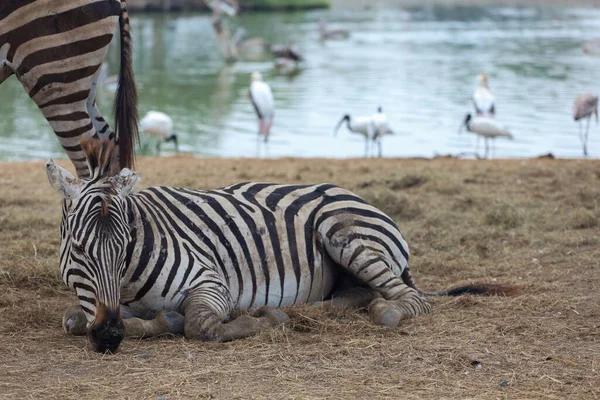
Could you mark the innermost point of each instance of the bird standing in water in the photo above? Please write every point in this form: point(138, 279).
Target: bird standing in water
point(262, 100)
point(159, 125)
point(585, 105)
point(483, 99)
point(380, 128)
point(485, 127)
point(373, 128)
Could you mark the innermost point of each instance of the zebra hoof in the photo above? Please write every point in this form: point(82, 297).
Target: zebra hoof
point(391, 318)
point(383, 312)
point(74, 321)
point(173, 321)
point(273, 315)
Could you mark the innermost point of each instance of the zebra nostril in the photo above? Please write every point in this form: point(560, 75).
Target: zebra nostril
point(107, 335)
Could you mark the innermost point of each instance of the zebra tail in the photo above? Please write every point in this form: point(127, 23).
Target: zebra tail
point(483, 289)
point(125, 108)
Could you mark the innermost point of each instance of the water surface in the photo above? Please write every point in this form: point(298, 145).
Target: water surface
point(418, 64)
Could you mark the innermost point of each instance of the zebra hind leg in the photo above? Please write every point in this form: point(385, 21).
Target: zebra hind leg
point(349, 297)
point(373, 267)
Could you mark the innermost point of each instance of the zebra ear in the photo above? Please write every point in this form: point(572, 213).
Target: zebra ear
point(124, 182)
point(63, 182)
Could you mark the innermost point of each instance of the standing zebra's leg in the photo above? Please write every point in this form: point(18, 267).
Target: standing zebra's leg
point(207, 310)
point(101, 127)
point(5, 72)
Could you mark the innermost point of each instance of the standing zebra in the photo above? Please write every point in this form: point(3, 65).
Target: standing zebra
point(151, 256)
point(55, 49)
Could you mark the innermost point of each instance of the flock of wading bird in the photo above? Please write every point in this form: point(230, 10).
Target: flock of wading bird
point(373, 128)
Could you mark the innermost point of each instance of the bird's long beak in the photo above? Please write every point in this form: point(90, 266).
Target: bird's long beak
point(339, 124)
point(337, 127)
point(596, 113)
point(460, 128)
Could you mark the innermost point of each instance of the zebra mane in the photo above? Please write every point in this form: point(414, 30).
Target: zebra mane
point(101, 158)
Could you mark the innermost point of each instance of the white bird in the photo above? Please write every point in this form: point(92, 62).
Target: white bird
point(159, 125)
point(585, 105)
point(373, 128)
point(262, 99)
point(380, 128)
point(230, 7)
point(337, 33)
point(487, 128)
point(483, 99)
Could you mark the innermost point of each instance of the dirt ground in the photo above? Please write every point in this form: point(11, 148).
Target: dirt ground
point(533, 223)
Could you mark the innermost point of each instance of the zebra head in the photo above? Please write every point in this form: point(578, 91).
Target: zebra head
point(95, 234)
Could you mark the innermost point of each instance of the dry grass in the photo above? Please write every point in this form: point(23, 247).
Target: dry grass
point(533, 223)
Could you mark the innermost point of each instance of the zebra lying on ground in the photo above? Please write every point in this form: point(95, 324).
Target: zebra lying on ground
point(176, 260)
point(55, 48)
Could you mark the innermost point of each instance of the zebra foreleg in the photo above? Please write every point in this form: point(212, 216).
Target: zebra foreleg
point(166, 322)
point(205, 322)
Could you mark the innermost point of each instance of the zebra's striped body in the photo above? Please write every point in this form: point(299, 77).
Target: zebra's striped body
point(55, 48)
point(274, 245)
point(206, 253)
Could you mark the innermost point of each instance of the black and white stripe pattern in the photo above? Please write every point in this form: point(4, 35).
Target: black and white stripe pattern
point(268, 244)
point(55, 48)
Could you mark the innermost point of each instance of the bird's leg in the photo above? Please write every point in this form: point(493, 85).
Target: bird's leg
point(366, 147)
point(581, 136)
point(587, 130)
point(158, 146)
point(487, 147)
point(379, 147)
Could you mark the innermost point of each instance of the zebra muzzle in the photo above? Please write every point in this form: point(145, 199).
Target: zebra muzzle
point(107, 331)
